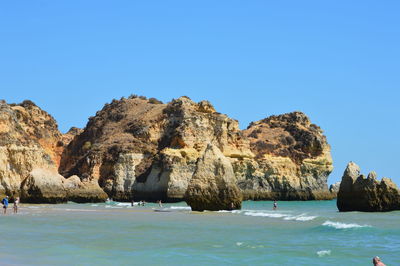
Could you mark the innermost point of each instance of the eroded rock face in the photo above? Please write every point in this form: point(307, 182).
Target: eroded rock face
point(82, 191)
point(143, 150)
point(28, 140)
point(357, 193)
point(292, 160)
point(213, 185)
point(334, 188)
point(30, 151)
point(117, 146)
point(47, 186)
point(43, 186)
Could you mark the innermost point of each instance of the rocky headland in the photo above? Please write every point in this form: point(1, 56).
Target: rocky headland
point(367, 194)
point(142, 149)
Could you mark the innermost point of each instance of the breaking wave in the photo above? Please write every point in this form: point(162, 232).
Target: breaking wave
point(323, 253)
point(265, 214)
point(180, 208)
point(338, 225)
point(124, 204)
point(302, 217)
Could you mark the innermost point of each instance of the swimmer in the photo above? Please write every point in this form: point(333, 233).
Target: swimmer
point(377, 261)
point(275, 205)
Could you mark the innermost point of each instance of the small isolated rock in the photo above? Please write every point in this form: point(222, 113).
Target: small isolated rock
point(213, 186)
point(357, 193)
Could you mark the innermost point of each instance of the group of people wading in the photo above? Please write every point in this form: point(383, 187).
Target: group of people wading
point(5, 204)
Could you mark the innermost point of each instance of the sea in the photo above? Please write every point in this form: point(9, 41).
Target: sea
point(115, 233)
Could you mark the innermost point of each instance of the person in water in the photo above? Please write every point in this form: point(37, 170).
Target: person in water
point(275, 205)
point(5, 204)
point(15, 207)
point(377, 261)
point(160, 204)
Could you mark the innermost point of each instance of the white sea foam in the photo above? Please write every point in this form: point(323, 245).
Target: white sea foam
point(180, 208)
point(113, 207)
point(239, 244)
point(305, 218)
point(288, 217)
point(339, 225)
point(94, 205)
point(266, 214)
point(323, 253)
point(124, 204)
point(301, 217)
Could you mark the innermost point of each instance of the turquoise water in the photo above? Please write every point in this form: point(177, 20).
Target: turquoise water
point(298, 233)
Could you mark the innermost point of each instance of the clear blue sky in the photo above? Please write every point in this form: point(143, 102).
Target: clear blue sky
point(337, 61)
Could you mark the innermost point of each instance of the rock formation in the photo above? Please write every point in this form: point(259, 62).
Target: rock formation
point(143, 150)
point(30, 152)
point(357, 193)
point(213, 185)
point(292, 162)
point(43, 186)
point(138, 148)
point(47, 186)
point(28, 140)
point(334, 188)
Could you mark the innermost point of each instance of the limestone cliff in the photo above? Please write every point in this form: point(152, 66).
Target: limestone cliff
point(141, 149)
point(30, 151)
point(144, 149)
point(28, 140)
point(357, 193)
point(292, 162)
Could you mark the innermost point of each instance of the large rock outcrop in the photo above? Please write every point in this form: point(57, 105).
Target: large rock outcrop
point(292, 162)
point(213, 185)
point(141, 149)
point(138, 148)
point(144, 149)
point(357, 193)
